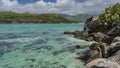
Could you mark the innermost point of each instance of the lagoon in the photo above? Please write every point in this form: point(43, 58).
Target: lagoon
point(39, 46)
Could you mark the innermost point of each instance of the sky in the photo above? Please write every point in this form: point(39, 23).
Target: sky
point(71, 7)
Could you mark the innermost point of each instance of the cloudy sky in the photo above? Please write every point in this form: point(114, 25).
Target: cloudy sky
point(71, 7)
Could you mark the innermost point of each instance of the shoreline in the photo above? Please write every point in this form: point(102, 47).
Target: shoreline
point(105, 31)
point(109, 49)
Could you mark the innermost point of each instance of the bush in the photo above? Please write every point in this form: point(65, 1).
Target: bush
point(108, 19)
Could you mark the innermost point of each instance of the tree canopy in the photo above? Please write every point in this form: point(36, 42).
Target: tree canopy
point(108, 19)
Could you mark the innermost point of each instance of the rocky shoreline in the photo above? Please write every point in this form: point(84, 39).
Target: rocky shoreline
point(105, 52)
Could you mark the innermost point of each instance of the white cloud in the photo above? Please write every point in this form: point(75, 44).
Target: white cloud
point(61, 6)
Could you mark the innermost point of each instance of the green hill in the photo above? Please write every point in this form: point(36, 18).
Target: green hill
point(12, 17)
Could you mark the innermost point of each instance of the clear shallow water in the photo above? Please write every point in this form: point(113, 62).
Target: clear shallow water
point(39, 46)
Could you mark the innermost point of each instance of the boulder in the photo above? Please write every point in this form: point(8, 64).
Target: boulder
point(98, 36)
point(114, 31)
point(85, 35)
point(115, 57)
point(116, 39)
point(108, 40)
point(89, 22)
point(96, 50)
point(77, 33)
point(79, 46)
point(114, 46)
point(102, 63)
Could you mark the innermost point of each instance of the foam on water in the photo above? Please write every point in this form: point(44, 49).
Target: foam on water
point(39, 46)
point(15, 40)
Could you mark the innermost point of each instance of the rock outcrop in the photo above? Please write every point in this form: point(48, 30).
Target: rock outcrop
point(115, 57)
point(88, 23)
point(102, 63)
point(107, 46)
point(96, 50)
point(105, 31)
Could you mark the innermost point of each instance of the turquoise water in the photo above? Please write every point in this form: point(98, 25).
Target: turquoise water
point(39, 46)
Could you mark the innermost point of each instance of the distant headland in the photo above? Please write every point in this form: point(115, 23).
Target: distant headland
point(13, 17)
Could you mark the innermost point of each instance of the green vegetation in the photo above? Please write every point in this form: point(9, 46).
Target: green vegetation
point(12, 17)
point(108, 19)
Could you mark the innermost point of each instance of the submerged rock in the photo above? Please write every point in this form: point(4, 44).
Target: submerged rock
point(62, 66)
point(45, 33)
point(6, 47)
point(68, 32)
point(80, 46)
point(70, 49)
point(102, 63)
point(30, 59)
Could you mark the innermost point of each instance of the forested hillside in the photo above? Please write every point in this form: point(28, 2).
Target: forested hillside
point(12, 17)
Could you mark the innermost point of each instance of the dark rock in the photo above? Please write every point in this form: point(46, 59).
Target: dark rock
point(112, 34)
point(7, 66)
point(61, 39)
point(6, 47)
point(9, 36)
point(84, 56)
point(31, 59)
point(102, 63)
point(88, 23)
point(38, 42)
point(45, 33)
point(78, 46)
point(31, 66)
point(43, 47)
point(108, 40)
point(114, 31)
point(55, 62)
point(77, 33)
point(62, 66)
point(70, 49)
point(68, 32)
